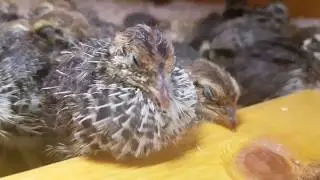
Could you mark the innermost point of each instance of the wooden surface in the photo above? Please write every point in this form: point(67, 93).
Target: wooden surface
point(206, 153)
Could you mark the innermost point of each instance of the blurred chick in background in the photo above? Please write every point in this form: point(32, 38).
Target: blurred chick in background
point(225, 38)
point(179, 31)
point(24, 63)
point(59, 24)
point(259, 49)
point(273, 68)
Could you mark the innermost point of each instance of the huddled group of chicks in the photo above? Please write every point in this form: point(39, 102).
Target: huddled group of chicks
point(72, 84)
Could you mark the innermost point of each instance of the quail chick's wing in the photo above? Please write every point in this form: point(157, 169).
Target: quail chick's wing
point(23, 67)
point(101, 103)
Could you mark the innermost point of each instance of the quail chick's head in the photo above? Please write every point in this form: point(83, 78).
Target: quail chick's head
point(130, 101)
point(151, 54)
point(218, 92)
point(59, 25)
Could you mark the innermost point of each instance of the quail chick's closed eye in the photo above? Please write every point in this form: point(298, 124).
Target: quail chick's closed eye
point(124, 97)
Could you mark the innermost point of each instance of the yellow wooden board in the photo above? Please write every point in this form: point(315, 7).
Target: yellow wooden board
point(293, 121)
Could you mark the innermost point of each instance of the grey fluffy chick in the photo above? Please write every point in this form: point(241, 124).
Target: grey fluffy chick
point(261, 24)
point(124, 97)
point(177, 30)
point(58, 24)
point(273, 68)
point(22, 69)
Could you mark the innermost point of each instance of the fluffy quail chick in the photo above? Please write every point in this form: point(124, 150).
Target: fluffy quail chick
point(22, 69)
point(273, 68)
point(59, 25)
point(218, 92)
point(126, 98)
point(102, 28)
point(177, 30)
point(261, 24)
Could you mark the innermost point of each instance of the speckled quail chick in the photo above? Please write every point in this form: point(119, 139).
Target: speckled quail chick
point(218, 92)
point(58, 24)
point(125, 97)
point(233, 34)
point(22, 69)
point(102, 27)
point(273, 68)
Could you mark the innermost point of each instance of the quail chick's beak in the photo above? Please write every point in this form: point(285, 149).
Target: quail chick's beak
point(161, 92)
point(231, 115)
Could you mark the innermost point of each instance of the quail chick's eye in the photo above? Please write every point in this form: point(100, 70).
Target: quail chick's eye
point(135, 60)
point(207, 92)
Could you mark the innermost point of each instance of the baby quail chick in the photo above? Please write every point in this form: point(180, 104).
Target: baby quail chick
point(176, 30)
point(125, 97)
point(59, 25)
point(260, 24)
point(273, 68)
point(101, 27)
point(217, 90)
point(22, 69)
